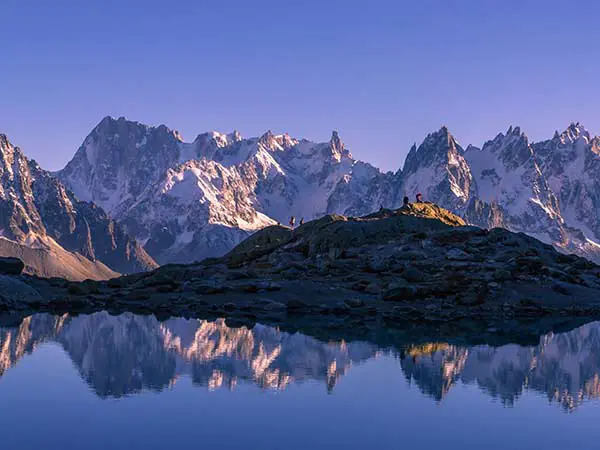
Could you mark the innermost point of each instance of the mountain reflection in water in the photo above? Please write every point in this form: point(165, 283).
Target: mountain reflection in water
point(126, 354)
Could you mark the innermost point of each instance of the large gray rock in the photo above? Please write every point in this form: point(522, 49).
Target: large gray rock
point(14, 294)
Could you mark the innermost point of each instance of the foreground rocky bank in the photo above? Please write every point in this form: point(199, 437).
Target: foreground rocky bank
point(418, 267)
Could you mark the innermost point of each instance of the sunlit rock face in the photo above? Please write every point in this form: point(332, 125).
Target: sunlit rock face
point(53, 232)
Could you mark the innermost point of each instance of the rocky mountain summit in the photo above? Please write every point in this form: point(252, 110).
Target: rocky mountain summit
point(185, 201)
point(55, 234)
point(419, 265)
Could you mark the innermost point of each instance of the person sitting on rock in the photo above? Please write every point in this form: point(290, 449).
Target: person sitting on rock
point(405, 204)
point(292, 221)
point(302, 221)
point(419, 198)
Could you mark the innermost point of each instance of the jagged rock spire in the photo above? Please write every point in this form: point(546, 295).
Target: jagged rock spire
point(267, 138)
point(336, 142)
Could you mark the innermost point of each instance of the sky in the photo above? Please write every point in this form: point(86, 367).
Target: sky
point(382, 73)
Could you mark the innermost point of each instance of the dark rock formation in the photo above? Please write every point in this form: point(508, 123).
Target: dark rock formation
point(11, 266)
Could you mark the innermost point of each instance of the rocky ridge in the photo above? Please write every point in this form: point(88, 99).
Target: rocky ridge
point(55, 234)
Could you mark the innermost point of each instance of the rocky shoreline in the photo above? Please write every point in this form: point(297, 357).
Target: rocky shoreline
point(419, 268)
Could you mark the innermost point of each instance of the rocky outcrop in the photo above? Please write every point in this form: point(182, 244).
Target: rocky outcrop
point(11, 266)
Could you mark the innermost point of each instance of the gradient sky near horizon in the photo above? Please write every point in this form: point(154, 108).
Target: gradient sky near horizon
point(382, 73)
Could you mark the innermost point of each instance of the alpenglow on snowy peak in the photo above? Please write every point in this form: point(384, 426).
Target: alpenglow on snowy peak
point(42, 223)
point(185, 201)
point(189, 200)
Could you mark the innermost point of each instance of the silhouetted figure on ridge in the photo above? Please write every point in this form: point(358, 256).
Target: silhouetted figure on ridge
point(302, 221)
point(419, 198)
point(292, 221)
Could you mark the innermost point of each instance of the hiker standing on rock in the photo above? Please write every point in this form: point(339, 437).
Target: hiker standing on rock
point(292, 221)
point(302, 221)
point(419, 198)
point(405, 201)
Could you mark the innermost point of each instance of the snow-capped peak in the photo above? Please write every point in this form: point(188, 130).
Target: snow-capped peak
point(234, 136)
point(267, 139)
point(573, 133)
point(4, 143)
point(438, 149)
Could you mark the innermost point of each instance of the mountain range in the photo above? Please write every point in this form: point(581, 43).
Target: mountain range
point(185, 201)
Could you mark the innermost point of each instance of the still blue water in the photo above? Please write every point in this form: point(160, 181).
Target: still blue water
point(129, 382)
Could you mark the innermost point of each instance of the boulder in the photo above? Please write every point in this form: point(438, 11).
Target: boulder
point(413, 275)
point(16, 294)
point(11, 266)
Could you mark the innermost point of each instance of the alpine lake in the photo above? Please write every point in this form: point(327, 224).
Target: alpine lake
point(129, 381)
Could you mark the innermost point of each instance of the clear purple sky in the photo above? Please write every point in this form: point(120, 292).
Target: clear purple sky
point(383, 73)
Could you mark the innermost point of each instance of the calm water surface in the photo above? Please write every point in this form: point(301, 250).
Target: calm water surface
point(132, 382)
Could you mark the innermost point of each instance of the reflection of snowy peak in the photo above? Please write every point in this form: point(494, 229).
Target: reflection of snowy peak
point(54, 233)
point(119, 355)
point(564, 367)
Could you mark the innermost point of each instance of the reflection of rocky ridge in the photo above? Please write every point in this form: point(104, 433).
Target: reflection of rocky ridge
point(565, 367)
point(119, 355)
point(18, 341)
